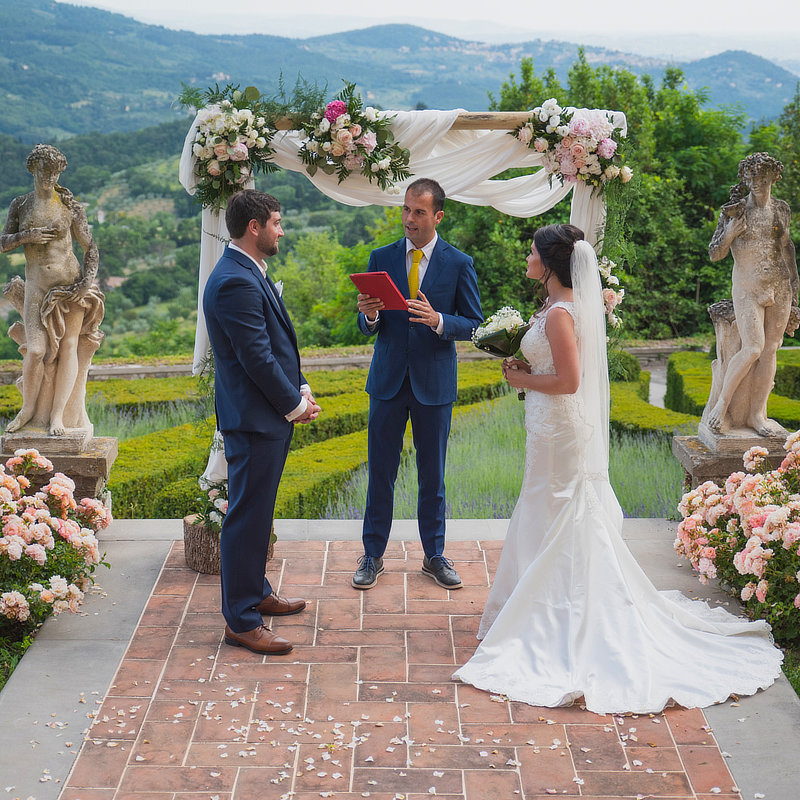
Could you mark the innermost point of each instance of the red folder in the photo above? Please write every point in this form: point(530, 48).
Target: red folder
point(380, 284)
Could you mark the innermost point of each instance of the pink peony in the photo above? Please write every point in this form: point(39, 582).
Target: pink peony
point(334, 110)
point(368, 141)
point(579, 127)
point(606, 148)
point(238, 152)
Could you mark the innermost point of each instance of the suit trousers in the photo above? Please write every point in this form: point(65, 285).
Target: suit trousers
point(431, 428)
point(255, 465)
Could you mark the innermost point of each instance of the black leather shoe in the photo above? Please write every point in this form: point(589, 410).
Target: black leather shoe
point(441, 570)
point(367, 573)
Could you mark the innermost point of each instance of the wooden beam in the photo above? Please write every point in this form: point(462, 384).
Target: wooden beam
point(466, 121)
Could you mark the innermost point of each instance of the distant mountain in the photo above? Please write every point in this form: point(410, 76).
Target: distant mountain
point(68, 70)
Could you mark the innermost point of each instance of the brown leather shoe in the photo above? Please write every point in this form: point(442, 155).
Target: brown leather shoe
point(274, 606)
point(260, 640)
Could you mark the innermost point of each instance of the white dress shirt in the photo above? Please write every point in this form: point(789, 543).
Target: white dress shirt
point(427, 251)
point(300, 409)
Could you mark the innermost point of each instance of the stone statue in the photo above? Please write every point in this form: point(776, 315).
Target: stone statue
point(754, 227)
point(60, 304)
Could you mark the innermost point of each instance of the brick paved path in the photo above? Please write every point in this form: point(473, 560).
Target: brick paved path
point(363, 706)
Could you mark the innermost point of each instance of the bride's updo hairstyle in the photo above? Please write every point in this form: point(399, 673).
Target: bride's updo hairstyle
point(554, 244)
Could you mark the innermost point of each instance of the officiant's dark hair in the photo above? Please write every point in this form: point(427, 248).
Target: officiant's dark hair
point(426, 185)
point(246, 205)
point(554, 244)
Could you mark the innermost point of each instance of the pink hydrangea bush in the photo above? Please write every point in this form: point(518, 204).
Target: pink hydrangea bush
point(747, 535)
point(48, 547)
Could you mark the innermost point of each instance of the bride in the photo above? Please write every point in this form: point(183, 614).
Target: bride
point(570, 613)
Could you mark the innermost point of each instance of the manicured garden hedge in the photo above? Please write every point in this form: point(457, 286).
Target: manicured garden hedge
point(120, 392)
point(689, 384)
point(175, 457)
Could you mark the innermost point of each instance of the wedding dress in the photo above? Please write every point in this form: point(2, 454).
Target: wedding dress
point(570, 613)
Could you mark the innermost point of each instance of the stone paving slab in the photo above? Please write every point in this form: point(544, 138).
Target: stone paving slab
point(363, 706)
point(370, 669)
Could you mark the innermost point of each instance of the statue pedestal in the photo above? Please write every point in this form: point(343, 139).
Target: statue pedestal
point(701, 463)
point(85, 459)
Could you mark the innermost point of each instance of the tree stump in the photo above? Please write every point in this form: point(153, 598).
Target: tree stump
point(202, 546)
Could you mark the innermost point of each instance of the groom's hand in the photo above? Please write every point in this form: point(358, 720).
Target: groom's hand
point(310, 414)
point(422, 311)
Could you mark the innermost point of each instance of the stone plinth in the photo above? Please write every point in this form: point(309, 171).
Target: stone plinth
point(703, 464)
point(88, 463)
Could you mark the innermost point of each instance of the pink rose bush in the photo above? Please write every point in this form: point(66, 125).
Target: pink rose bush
point(231, 141)
point(48, 547)
point(747, 534)
point(576, 145)
point(343, 137)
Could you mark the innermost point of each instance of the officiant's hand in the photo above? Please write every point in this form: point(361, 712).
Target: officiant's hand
point(422, 311)
point(369, 306)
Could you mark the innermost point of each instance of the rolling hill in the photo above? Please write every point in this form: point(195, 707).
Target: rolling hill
point(67, 70)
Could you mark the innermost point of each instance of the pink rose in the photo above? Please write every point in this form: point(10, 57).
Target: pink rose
point(213, 168)
point(334, 110)
point(748, 591)
point(761, 591)
point(355, 130)
point(578, 151)
point(337, 150)
point(344, 137)
point(797, 601)
point(540, 144)
point(525, 134)
point(221, 151)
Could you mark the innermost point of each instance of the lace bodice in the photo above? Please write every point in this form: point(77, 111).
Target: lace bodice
point(542, 410)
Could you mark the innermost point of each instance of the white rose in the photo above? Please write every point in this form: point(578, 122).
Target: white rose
point(611, 171)
point(374, 166)
point(561, 130)
point(371, 114)
point(543, 116)
point(625, 174)
point(384, 163)
point(324, 125)
point(312, 147)
point(555, 120)
point(261, 143)
point(326, 146)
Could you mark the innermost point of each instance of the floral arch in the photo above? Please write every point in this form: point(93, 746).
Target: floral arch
point(462, 150)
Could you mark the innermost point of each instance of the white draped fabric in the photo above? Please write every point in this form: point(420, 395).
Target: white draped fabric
point(462, 161)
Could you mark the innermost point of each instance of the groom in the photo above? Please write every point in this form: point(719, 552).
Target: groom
point(413, 373)
point(260, 393)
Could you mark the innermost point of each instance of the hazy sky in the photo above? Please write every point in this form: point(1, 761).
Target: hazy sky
point(497, 21)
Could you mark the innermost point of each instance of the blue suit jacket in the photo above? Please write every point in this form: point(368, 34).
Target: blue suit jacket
point(257, 363)
point(451, 286)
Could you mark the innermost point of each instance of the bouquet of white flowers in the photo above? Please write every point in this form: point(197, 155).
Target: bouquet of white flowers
point(501, 334)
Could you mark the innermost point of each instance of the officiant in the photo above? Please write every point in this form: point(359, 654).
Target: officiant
point(414, 374)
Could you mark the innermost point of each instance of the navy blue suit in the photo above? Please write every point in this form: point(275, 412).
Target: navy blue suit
point(413, 373)
point(257, 382)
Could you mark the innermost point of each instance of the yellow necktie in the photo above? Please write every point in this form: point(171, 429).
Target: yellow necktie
point(413, 274)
